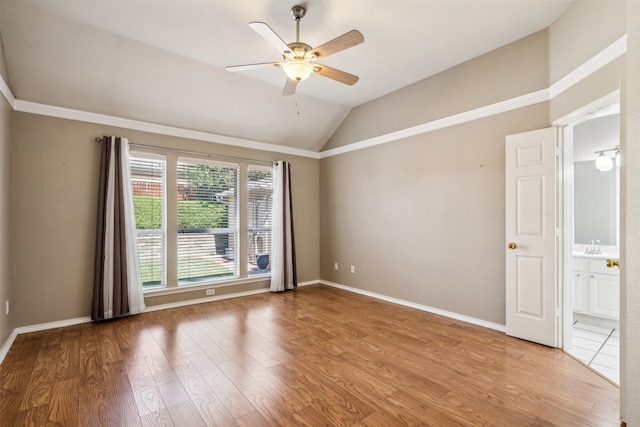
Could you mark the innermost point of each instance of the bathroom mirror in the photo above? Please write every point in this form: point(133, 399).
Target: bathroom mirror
point(596, 192)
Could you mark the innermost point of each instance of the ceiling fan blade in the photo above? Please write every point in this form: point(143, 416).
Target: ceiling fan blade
point(345, 41)
point(290, 87)
point(269, 35)
point(337, 75)
point(234, 68)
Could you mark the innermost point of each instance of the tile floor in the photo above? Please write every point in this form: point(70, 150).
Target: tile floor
point(598, 347)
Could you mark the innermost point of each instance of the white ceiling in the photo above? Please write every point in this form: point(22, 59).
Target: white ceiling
point(163, 61)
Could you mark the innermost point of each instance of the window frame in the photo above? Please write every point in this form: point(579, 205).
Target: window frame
point(171, 158)
point(267, 271)
point(145, 155)
point(228, 230)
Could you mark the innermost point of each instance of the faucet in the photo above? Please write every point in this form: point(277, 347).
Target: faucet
point(593, 247)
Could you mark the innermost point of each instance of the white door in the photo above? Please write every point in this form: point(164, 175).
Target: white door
point(531, 237)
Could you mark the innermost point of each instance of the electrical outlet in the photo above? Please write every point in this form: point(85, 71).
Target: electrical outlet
point(211, 291)
point(353, 268)
point(335, 265)
point(7, 307)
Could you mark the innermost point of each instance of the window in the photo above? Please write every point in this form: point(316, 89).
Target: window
point(148, 181)
point(207, 220)
point(259, 219)
point(198, 222)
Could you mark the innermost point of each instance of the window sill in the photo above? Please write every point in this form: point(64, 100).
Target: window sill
point(151, 293)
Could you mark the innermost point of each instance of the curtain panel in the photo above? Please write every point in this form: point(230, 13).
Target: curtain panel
point(117, 288)
point(283, 264)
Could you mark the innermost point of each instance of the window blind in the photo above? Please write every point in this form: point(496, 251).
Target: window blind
point(259, 219)
point(148, 182)
point(207, 197)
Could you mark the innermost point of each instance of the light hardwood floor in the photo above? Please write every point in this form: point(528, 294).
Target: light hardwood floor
point(313, 357)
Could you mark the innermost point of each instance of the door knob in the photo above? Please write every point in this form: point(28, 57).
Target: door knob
point(613, 263)
point(512, 245)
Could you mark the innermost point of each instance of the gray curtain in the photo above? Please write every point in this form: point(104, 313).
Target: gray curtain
point(283, 264)
point(117, 290)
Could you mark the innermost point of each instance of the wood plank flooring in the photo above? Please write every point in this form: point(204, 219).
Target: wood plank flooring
point(318, 356)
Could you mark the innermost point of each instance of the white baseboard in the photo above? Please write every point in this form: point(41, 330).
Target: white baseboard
point(52, 325)
point(70, 322)
point(203, 300)
point(310, 282)
point(39, 327)
point(7, 345)
point(428, 309)
point(217, 298)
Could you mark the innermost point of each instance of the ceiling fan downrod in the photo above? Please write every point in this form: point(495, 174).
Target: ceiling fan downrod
point(298, 13)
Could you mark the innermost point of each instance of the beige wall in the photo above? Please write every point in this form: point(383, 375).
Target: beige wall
point(422, 219)
point(630, 195)
point(599, 84)
point(580, 33)
point(56, 175)
point(6, 220)
point(4, 73)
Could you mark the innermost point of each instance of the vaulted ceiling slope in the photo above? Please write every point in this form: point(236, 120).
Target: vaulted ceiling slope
point(163, 61)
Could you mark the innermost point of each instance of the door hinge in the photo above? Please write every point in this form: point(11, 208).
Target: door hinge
point(558, 151)
point(558, 312)
point(558, 231)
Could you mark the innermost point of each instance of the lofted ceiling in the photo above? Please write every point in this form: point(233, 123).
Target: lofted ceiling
point(163, 61)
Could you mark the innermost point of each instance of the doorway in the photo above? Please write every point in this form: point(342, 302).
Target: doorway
point(591, 213)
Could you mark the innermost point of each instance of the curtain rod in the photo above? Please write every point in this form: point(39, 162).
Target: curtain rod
point(198, 153)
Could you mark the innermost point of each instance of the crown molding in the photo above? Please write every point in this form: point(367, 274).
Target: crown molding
point(6, 92)
point(606, 56)
point(102, 119)
point(455, 119)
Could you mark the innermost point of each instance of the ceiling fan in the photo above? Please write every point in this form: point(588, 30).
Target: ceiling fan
point(299, 59)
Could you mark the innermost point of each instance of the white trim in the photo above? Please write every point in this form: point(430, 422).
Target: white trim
point(7, 345)
point(102, 119)
point(426, 308)
point(6, 91)
point(217, 297)
point(80, 320)
point(308, 283)
point(179, 289)
point(456, 119)
point(52, 325)
point(607, 55)
point(203, 300)
point(590, 110)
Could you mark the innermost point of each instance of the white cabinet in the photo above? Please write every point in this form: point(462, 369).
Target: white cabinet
point(604, 295)
point(596, 288)
point(579, 295)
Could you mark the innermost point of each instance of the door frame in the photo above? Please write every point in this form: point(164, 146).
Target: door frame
point(564, 126)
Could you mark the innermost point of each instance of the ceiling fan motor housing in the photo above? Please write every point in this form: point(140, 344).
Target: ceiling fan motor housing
point(298, 12)
point(300, 51)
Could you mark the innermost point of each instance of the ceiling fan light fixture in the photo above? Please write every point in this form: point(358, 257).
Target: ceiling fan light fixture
point(297, 69)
